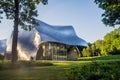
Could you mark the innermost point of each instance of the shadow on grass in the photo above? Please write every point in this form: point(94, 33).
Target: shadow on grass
point(22, 64)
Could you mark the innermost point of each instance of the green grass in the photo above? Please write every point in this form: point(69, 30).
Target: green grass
point(45, 70)
point(112, 57)
point(22, 64)
point(52, 72)
point(34, 73)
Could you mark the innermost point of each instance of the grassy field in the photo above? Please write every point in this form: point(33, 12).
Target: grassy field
point(55, 71)
point(34, 73)
point(113, 57)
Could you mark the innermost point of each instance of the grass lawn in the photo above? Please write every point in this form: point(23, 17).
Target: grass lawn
point(52, 72)
point(112, 57)
point(34, 73)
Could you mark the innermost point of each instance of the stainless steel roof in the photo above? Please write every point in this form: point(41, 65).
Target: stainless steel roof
point(61, 34)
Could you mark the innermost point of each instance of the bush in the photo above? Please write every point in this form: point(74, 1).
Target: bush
point(95, 71)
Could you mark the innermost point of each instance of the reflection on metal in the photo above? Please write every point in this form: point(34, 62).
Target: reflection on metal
point(60, 34)
point(58, 37)
point(30, 43)
point(2, 48)
point(56, 51)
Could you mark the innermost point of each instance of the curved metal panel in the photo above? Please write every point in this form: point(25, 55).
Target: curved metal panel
point(2, 46)
point(61, 34)
point(28, 41)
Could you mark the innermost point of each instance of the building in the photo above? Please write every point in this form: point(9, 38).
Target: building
point(49, 42)
point(2, 48)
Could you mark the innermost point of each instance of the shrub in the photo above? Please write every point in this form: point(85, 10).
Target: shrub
point(95, 71)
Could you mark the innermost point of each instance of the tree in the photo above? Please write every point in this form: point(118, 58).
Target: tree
point(110, 45)
point(111, 16)
point(22, 12)
point(114, 40)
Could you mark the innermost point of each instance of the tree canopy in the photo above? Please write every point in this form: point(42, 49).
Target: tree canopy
point(23, 13)
point(27, 11)
point(111, 15)
point(109, 46)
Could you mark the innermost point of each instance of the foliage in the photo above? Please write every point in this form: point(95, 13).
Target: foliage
point(27, 11)
point(93, 49)
point(95, 71)
point(109, 46)
point(22, 12)
point(112, 42)
point(111, 16)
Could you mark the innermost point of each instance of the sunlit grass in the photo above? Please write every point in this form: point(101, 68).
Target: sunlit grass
point(53, 72)
point(34, 73)
point(112, 57)
point(46, 69)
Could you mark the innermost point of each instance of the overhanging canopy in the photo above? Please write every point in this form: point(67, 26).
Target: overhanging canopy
point(61, 34)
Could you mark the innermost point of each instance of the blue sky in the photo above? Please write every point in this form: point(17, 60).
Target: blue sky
point(83, 15)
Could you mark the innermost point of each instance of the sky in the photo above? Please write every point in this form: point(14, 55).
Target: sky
point(83, 15)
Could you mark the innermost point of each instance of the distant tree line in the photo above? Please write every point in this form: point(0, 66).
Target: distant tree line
point(110, 45)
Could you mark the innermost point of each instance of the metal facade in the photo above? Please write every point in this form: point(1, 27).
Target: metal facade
point(2, 46)
point(60, 34)
point(28, 47)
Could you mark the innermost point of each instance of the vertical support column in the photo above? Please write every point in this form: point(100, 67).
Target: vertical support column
point(66, 51)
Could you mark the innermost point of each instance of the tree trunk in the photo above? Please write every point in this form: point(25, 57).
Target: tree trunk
point(15, 32)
